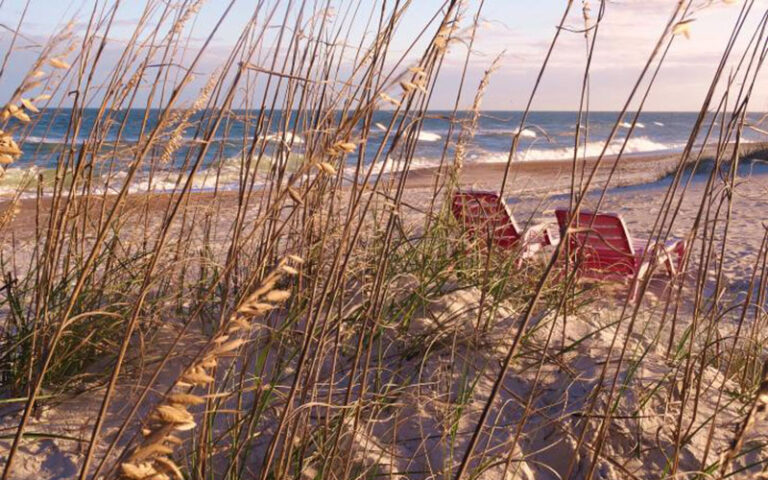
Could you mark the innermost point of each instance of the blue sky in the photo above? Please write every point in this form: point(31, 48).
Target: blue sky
point(521, 28)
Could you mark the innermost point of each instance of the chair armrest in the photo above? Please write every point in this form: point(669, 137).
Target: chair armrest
point(675, 245)
point(539, 234)
point(674, 250)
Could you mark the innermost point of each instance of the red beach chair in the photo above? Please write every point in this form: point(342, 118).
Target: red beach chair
point(485, 216)
point(606, 251)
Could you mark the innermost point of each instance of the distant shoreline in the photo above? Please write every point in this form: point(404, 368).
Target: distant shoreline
point(554, 176)
point(526, 179)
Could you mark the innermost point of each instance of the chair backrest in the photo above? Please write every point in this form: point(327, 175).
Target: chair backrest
point(603, 245)
point(486, 217)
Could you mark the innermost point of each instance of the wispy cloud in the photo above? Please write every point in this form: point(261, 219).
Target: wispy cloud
point(626, 37)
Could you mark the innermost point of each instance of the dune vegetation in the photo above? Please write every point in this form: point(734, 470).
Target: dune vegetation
point(327, 318)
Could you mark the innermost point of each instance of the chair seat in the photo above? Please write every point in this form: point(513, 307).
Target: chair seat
point(486, 217)
point(607, 250)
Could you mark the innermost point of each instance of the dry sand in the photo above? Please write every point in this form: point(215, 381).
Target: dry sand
point(636, 447)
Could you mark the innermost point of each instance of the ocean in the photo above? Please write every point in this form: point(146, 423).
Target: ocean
point(546, 136)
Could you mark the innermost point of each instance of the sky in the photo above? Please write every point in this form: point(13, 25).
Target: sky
point(521, 30)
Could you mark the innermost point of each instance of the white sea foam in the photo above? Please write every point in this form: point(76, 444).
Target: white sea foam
point(227, 175)
point(34, 139)
point(429, 136)
point(287, 137)
point(592, 149)
point(389, 165)
point(635, 145)
point(526, 133)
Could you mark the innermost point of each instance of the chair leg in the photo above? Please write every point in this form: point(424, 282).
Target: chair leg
point(679, 251)
point(637, 282)
point(673, 259)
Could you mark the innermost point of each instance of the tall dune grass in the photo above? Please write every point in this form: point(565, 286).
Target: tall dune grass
point(323, 320)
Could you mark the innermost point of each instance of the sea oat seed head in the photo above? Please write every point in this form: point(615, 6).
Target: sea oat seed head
point(197, 377)
point(327, 168)
point(408, 87)
point(174, 414)
point(208, 362)
point(296, 259)
point(29, 105)
point(683, 27)
point(185, 427)
point(295, 196)
point(240, 323)
point(21, 116)
point(277, 296)
point(346, 147)
point(58, 63)
point(150, 451)
point(167, 465)
point(7, 145)
point(255, 308)
point(138, 472)
point(185, 399)
point(289, 270)
point(229, 346)
point(387, 98)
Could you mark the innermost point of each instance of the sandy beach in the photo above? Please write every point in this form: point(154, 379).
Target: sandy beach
point(634, 197)
point(269, 240)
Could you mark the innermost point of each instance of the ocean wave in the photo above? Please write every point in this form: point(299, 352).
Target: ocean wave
point(281, 137)
point(525, 133)
point(426, 136)
point(506, 132)
point(20, 178)
point(224, 176)
point(592, 149)
point(186, 139)
point(227, 174)
point(37, 140)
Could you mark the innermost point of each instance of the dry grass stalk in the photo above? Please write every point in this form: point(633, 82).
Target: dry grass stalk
point(360, 366)
point(757, 411)
point(152, 458)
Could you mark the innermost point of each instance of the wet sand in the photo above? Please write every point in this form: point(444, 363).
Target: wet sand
point(554, 176)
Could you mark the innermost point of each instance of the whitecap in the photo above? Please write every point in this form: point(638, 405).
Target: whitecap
point(429, 136)
point(287, 137)
point(526, 133)
point(592, 149)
